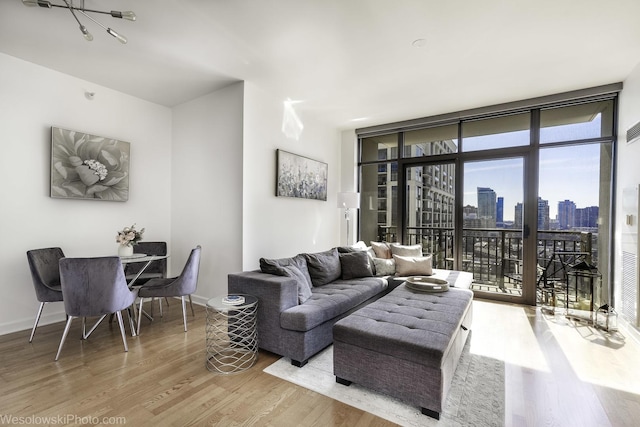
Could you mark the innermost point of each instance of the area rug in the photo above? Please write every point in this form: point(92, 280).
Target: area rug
point(476, 397)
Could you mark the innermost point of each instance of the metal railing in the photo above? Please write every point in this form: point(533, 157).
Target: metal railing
point(494, 256)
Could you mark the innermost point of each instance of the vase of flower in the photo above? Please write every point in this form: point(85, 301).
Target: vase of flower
point(126, 238)
point(125, 250)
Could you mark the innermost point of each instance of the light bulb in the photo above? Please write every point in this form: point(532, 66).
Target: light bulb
point(87, 35)
point(122, 39)
point(129, 15)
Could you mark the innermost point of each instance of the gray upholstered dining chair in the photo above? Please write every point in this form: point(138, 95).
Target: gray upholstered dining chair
point(183, 285)
point(45, 275)
point(156, 270)
point(94, 287)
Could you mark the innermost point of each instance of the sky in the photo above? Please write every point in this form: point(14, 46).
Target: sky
point(566, 173)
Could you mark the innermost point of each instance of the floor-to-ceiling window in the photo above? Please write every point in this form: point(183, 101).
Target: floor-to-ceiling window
point(495, 192)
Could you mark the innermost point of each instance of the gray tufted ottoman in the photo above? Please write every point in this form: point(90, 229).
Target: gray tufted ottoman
point(407, 345)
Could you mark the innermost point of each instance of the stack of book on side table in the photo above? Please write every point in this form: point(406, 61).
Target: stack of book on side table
point(233, 299)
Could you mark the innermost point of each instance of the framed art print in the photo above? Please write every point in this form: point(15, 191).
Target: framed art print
point(300, 177)
point(85, 166)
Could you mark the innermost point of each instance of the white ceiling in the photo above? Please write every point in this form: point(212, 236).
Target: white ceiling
point(343, 59)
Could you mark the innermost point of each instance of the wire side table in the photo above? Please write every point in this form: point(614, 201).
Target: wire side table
point(232, 335)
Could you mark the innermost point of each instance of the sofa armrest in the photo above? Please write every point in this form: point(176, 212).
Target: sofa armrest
point(274, 293)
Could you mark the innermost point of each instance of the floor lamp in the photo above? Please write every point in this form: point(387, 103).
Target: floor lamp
point(347, 201)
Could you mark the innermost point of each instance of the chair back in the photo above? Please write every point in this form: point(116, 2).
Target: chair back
point(187, 282)
point(94, 286)
point(158, 267)
point(45, 273)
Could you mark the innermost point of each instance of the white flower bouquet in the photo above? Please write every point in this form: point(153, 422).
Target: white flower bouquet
point(129, 236)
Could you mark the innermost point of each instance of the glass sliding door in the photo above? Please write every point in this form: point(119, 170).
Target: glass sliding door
point(498, 194)
point(379, 189)
point(492, 236)
point(430, 207)
point(573, 219)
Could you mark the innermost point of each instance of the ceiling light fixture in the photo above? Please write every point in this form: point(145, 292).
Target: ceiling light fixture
point(68, 4)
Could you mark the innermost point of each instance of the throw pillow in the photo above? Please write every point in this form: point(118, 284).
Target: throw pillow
point(384, 267)
point(413, 266)
point(304, 289)
point(406, 250)
point(354, 265)
point(381, 250)
point(274, 266)
point(324, 267)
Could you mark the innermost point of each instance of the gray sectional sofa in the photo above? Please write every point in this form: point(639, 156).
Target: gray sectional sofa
point(301, 298)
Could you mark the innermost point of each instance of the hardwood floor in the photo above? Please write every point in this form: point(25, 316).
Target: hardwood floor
point(558, 373)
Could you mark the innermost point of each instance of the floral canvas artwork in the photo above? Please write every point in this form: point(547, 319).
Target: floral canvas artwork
point(301, 177)
point(85, 166)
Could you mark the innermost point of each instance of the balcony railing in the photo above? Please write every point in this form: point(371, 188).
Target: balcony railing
point(494, 256)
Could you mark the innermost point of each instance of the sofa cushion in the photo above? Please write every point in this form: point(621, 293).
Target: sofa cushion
point(405, 250)
point(324, 267)
point(384, 267)
point(413, 326)
point(330, 301)
point(295, 267)
point(381, 249)
point(410, 266)
point(355, 264)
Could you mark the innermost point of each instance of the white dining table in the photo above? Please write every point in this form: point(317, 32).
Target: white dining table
point(138, 258)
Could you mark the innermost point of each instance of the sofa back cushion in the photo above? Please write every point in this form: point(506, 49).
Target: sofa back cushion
point(324, 267)
point(355, 264)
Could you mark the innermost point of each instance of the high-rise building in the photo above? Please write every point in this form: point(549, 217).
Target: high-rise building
point(543, 214)
point(500, 212)
point(487, 206)
point(517, 216)
point(587, 217)
point(566, 214)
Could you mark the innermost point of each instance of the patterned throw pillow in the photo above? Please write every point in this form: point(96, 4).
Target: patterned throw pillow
point(384, 267)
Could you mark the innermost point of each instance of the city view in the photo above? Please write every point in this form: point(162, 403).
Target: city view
point(569, 205)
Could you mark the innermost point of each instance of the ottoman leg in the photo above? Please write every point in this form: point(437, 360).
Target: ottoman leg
point(343, 381)
point(430, 413)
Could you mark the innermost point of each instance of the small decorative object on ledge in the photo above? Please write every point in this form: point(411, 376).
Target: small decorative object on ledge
point(126, 238)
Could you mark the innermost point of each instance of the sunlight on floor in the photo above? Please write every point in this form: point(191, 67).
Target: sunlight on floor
point(604, 356)
point(506, 320)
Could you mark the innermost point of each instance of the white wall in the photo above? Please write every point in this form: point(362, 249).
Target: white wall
point(207, 187)
point(349, 182)
point(628, 172)
point(32, 99)
point(275, 227)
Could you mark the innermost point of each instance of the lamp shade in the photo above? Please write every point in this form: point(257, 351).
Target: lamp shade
point(349, 200)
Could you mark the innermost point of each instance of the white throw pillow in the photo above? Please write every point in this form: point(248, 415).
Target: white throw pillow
point(406, 250)
point(413, 266)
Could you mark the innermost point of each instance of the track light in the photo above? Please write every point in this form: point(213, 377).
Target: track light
point(68, 4)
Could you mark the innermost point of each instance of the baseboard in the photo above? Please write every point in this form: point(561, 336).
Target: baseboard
point(629, 329)
point(51, 315)
point(26, 324)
